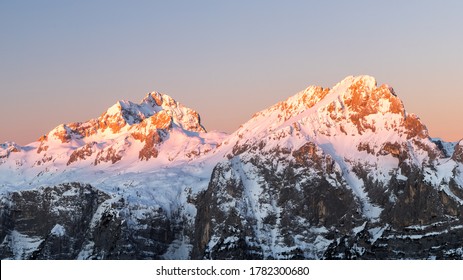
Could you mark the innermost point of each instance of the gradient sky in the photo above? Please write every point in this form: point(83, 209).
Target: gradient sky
point(65, 61)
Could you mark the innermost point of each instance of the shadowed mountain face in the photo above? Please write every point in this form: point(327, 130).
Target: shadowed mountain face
point(341, 173)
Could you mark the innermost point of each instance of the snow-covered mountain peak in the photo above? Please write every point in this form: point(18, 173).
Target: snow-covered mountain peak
point(155, 111)
point(158, 127)
point(358, 102)
point(355, 121)
point(128, 113)
point(367, 80)
point(355, 133)
point(356, 105)
point(361, 95)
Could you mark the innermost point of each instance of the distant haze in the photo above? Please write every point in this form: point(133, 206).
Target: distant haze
point(63, 61)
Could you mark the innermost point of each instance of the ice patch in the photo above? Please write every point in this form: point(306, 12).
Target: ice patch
point(58, 230)
point(359, 228)
point(401, 177)
point(376, 233)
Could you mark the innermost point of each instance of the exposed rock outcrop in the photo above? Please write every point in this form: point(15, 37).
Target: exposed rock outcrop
point(75, 221)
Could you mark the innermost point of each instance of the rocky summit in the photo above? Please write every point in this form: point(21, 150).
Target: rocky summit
point(330, 173)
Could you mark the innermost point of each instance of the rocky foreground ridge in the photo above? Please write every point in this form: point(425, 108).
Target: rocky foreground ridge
point(341, 173)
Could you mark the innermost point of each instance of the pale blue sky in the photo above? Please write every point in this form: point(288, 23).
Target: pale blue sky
point(64, 61)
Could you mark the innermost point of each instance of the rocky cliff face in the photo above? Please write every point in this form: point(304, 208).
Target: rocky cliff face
point(75, 221)
point(341, 173)
point(270, 207)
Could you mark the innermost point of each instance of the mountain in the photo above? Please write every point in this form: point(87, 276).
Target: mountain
point(126, 171)
point(328, 173)
point(152, 123)
point(332, 173)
